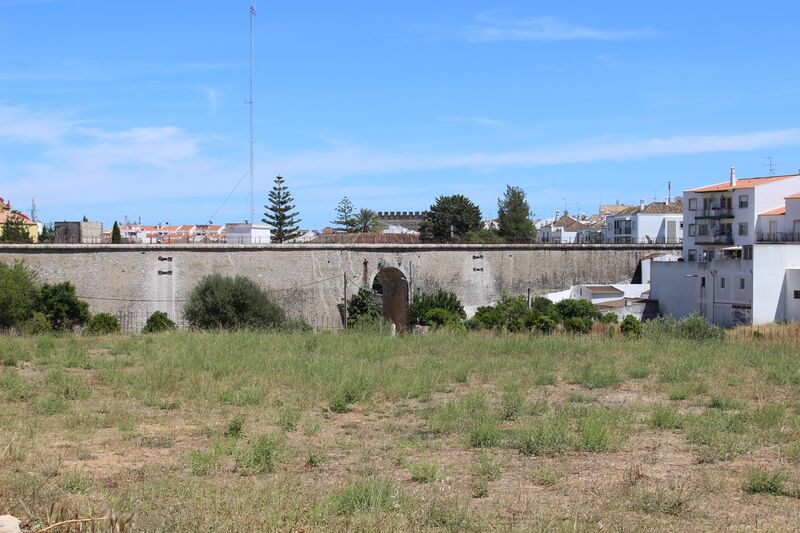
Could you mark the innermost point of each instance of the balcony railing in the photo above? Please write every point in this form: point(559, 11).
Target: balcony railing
point(714, 239)
point(715, 212)
point(778, 237)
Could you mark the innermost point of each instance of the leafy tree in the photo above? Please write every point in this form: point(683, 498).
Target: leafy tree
point(116, 236)
point(450, 218)
point(366, 221)
point(14, 230)
point(424, 302)
point(578, 324)
point(344, 216)
point(18, 294)
point(157, 322)
point(514, 216)
point(484, 236)
point(544, 325)
point(363, 307)
point(543, 306)
point(280, 213)
point(62, 306)
point(102, 324)
point(577, 308)
point(220, 302)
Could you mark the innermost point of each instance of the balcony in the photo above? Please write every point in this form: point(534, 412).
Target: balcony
point(715, 212)
point(778, 237)
point(713, 239)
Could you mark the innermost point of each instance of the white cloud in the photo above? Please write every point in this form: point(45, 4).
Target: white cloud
point(353, 160)
point(490, 29)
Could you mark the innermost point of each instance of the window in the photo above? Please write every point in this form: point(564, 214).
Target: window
point(743, 228)
point(741, 283)
point(692, 255)
point(702, 229)
point(703, 281)
point(692, 204)
point(721, 283)
point(797, 295)
point(706, 204)
point(744, 201)
point(692, 230)
point(622, 227)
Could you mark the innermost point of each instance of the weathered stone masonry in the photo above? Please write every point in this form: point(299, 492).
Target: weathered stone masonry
point(308, 280)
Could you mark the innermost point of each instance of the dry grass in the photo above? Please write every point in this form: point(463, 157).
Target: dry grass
point(244, 431)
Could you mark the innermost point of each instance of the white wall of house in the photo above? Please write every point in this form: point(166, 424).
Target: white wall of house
point(776, 278)
point(246, 233)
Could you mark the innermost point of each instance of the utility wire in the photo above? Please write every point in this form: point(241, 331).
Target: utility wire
point(229, 196)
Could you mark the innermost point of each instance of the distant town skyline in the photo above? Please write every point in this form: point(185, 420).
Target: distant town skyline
point(138, 109)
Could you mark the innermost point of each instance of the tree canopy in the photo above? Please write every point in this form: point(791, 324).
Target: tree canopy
point(280, 213)
point(514, 216)
point(344, 216)
point(450, 218)
point(14, 230)
point(366, 221)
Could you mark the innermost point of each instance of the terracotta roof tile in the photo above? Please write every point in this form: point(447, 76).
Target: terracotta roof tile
point(777, 211)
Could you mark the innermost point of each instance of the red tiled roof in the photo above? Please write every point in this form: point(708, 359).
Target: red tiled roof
point(777, 211)
point(744, 183)
point(5, 215)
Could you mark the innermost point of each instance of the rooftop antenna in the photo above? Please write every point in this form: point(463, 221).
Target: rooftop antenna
point(250, 103)
point(669, 192)
point(769, 164)
point(34, 212)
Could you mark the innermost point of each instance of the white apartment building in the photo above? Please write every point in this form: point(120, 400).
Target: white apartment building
point(657, 222)
point(563, 230)
point(741, 258)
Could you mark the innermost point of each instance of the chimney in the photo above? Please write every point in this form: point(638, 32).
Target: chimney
point(641, 203)
point(733, 176)
point(669, 192)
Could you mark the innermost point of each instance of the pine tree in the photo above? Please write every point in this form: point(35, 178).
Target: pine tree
point(344, 216)
point(514, 216)
point(116, 236)
point(280, 214)
point(14, 230)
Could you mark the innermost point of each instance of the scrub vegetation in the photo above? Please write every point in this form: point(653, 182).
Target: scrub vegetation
point(454, 431)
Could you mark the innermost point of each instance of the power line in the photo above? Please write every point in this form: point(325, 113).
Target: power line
point(228, 197)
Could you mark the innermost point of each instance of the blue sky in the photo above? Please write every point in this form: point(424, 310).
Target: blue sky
point(123, 108)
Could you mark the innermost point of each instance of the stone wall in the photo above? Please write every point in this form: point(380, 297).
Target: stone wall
point(308, 279)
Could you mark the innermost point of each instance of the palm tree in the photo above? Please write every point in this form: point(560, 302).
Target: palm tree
point(366, 221)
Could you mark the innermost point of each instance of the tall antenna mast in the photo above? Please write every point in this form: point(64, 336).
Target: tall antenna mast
point(250, 102)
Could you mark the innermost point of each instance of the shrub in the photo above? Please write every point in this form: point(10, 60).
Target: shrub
point(157, 322)
point(423, 303)
point(37, 324)
point(363, 307)
point(511, 312)
point(61, 306)
point(631, 327)
point(542, 306)
point(609, 318)
point(544, 325)
point(219, 302)
point(438, 317)
point(762, 481)
point(18, 294)
point(235, 428)
point(577, 324)
point(102, 324)
point(577, 309)
point(486, 317)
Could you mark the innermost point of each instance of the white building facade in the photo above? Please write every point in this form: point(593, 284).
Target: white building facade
point(657, 222)
point(741, 255)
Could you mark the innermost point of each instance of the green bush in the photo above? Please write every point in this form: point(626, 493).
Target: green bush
point(18, 294)
point(437, 318)
point(577, 324)
point(510, 313)
point(61, 306)
point(37, 324)
point(609, 318)
point(363, 307)
point(102, 324)
point(220, 302)
point(423, 303)
point(631, 327)
point(486, 317)
point(542, 306)
point(157, 322)
point(544, 324)
point(577, 309)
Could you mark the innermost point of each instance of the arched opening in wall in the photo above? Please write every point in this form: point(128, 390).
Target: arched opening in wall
point(391, 286)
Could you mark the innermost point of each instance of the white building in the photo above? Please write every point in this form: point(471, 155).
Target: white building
point(657, 222)
point(247, 233)
point(562, 230)
point(741, 254)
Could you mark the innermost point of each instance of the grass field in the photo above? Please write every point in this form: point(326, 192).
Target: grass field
point(301, 432)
